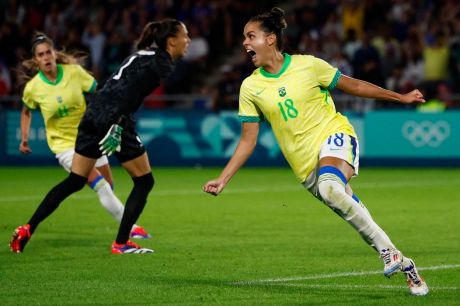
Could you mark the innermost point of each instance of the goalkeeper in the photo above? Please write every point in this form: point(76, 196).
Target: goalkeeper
point(108, 127)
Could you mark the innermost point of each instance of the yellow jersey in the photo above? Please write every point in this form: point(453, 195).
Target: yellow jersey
point(61, 103)
point(297, 104)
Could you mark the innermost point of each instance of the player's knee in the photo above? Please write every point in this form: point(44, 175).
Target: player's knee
point(330, 191)
point(144, 183)
point(97, 183)
point(331, 187)
point(75, 182)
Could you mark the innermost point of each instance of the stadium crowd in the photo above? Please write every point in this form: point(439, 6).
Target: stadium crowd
point(397, 44)
point(107, 30)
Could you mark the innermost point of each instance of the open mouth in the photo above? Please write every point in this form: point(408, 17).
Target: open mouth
point(251, 53)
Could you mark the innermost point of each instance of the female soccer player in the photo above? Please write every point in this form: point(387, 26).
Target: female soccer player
point(111, 109)
point(57, 89)
point(292, 93)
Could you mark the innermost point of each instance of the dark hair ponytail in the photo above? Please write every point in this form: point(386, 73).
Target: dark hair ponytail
point(273, 22)
point(156, 34)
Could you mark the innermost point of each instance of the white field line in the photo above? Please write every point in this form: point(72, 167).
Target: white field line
point(344, 286)
point(335, 275)
point(266, 189)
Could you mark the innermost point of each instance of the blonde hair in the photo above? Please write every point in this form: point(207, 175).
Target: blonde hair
point(29, 67)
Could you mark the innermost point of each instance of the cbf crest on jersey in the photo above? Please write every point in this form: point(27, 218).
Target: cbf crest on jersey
point(62, 111)
point(282, 91)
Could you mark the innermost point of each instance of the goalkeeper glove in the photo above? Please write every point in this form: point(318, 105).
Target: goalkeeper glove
point(112, 140)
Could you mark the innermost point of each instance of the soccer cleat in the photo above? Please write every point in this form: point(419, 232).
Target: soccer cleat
point(20, 237)
point(139, 232)
point(417, 286)
point(129, 248)
point(392, 258)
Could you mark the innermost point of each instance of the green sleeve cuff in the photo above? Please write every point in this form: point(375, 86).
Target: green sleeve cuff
point(93, 87)
point(251, 119)
point(24, 104)
point(335, 80)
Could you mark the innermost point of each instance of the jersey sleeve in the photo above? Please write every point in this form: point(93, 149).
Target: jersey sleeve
point(248, 111)
point(326, 75)
point(27, 97)
point(88, 83)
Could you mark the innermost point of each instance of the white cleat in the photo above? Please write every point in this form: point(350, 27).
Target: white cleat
point(417, 286)
point(392, 259)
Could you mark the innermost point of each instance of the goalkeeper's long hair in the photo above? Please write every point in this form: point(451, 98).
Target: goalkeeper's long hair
point(29, 67)
point(156, 34)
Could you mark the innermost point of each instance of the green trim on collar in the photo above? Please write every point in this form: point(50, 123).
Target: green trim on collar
point(334, 80)
point(60, 74)
point(250, 119)
point(287, 61)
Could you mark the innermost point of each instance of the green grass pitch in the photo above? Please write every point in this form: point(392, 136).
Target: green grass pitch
point(264, 241)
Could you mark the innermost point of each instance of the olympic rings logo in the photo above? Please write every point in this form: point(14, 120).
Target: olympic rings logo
point(426, 133)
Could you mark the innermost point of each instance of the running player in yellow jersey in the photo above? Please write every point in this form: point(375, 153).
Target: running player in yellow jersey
point(57, 89)
point(291, 92)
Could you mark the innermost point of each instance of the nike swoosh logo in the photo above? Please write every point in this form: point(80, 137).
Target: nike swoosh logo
point(260, 91)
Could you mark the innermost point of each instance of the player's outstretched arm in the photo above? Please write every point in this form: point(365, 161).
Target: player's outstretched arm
point(26, 119)
point(243, 151)
point(365, 89)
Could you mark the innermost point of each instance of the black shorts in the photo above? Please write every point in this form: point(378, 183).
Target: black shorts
point(90, 134)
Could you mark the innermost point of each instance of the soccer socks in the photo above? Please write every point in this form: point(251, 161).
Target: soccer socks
point(357, 200)
point(134, 205)
point(107, 198)
point(331, 186)
point(55, 196)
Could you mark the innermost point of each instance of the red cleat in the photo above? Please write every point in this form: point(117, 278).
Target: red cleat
point(139, 233)
point(20, 238)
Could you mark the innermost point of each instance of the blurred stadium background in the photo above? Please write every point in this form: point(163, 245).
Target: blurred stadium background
point(265, 226)
point(191, 119)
